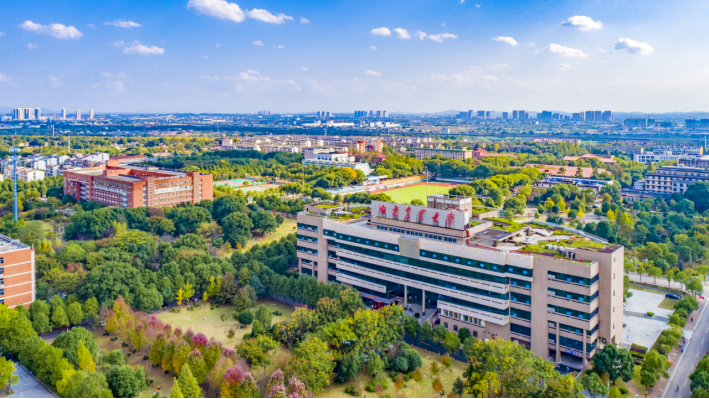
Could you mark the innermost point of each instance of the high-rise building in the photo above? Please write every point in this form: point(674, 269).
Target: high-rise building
point(91, 114)
point(505, 115)
point(590, 116)
point(63, 113)
point(597, 116)
point(18, 114)
point(360, 114)
point(514, 115)
point(464, 265)
point(265, 113)
point(17, 273)
point(481, 114)
point(607, 116)
point(470, 114)
point(520, 114)
point(37, 113)
point(361, 146)
point(577, 116)
point(132, 187)
point(29, 113)
point(544, 116)
point(78, 114)
point(377, 145)
point(487, 114)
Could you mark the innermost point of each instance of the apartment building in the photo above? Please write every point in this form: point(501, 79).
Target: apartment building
point(679, 149)
point(133, 186)
point(23, 173)
point(553, 289)
point(694, 162)
point(673, 179)
point(652, 156)
point(17, 273)
point(460, 155)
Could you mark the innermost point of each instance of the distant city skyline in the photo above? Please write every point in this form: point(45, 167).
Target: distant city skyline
point(218, 56)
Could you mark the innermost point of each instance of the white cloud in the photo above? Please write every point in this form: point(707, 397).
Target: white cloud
point(383, 31)
point(57, 30)
point(205, 56)
point(122, 23)
point(265, 16)
point(304, 20)
point(278, 47)
point(140, 49)
point(251, 71)
point(303, 68)
point(439, 37)
point(90, 26)
point(32, 46)
point(209, 77)
point(601, 50)
point(497, 67)
point(477, 6)
point(4, 78)
point(373, 47)
point(120, 75)
point(532, 44)
point(2, 33)
point(506, 39)
point(491, 78)
point(217, 45)
point(116, 86)
point(402, 33)
point(257, 43)
point(372, 73)
point(421, 35)
point(218, 8)
point(106, 74)
point(633, 47)
point(565, 51)
point(55, 82)
point(563, 67)
point(583, 23)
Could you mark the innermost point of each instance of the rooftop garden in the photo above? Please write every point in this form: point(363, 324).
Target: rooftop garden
point(473, 223)
point(583, 243)
point(510, 226)
point(476, 210)
point(329, 206)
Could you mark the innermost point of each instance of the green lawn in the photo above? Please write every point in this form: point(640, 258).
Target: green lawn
point(405, 194)
point(668, 304)
point(288, 226)
point(619, 383)
point(213, 325)
point(424, 390)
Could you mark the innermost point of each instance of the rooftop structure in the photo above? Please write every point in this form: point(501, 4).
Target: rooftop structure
point(17, 273)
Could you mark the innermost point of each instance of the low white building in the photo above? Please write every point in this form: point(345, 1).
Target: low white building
point(24, 174)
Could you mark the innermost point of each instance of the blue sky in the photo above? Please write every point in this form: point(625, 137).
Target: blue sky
point(286, 56)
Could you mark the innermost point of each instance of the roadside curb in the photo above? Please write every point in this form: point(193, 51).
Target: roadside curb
point(664, 393)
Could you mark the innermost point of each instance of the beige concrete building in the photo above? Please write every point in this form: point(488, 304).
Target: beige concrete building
point(460, 155)
point(557, 291)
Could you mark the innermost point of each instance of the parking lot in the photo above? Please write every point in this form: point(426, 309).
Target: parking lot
point(638, 328)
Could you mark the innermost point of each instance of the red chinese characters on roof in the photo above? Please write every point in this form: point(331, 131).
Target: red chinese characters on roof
point(421, 212)
point(435, 218)
point(396, 212)
point(449, 220)
point(382, 210)
point(408, 214)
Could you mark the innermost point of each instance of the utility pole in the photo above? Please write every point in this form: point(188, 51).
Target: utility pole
point(14, 177)
point(426, 184)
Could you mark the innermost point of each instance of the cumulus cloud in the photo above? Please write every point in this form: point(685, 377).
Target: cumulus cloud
point(140, 49)
point(304, 20)
point(491, 78)
point(563, 67)
point(506, 39)
point(4, 78)
point(257, 43)
point(633, 47)
point(32, 46)
point(218, 8)
point(373, 47)
point(383, 31)
point(372, 73)
point(2, 33)
point(265, 16)
point(278, 47)
point(421, 35)
point(209, 77)
point(106, 74)
point(122, 23)
point(583, 23)
point(90, 26)
point(477, 6)
point(402, 33)
point(439, 37)
point(116, 86)
point(303, 68)
point(57, 30)
point(565, 51)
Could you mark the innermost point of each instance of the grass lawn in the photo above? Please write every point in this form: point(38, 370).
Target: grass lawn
point(337, 390)
point(160, 379)
point(288, 226)
point(636, 380)
point(405, 194)
point(619, 383)
point(213, 325)
point(668, 304)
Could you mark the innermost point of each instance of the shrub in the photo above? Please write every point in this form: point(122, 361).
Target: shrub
point(624, 391)
point(417, 315)
point(231, 333)
point(446, 360)
point(353, 390)
point(399, 382)
point(277, 313)
point(417, 375)
point(435, 368)
point(650, 314)
point(145, 357)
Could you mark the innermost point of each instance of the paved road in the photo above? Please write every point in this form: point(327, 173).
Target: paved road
point(696, 348)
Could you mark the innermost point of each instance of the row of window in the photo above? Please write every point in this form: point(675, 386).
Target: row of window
point(425, 279)
point(423, 264)
point(572, 312)
point(572, 343)
point(463, 317)
point(307, 226)
point(306, 238)
point(576, 329)
point(517, 297)
point(573, 279)
point(475, 263)
point(365, 241)
point(308, 250)
point(573, 296)
point(516, 328)
point(520, 314)
point(521, 283)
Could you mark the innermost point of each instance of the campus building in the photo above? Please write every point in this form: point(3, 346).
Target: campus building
point(17, 273)
point(553, 289)
point(673, 179)
point(460, 155)
point(133, 187)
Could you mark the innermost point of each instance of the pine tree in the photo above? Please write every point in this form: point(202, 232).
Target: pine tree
point(188, 384)
point(176, 392)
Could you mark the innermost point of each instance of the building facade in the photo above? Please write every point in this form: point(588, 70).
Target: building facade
point(458, 265)
point(673, 179)
point(17, 273)
point(460, 155)
point(133, 187)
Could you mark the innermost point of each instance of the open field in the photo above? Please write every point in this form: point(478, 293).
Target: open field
point(405, 194)
point(241, 184)
point(208, 321)
point(337, 390)
point(288, 227)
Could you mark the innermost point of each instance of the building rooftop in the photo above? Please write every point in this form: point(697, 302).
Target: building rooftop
point(8, 244)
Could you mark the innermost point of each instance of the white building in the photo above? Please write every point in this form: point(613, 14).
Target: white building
point(651, 156)
point(328, 157)
point(24, 174)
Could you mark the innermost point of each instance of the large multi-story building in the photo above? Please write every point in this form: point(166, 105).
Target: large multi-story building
point(460, 155)
point(678, 149)
point(553, 289)
point(17, 273)
point(673, 179)
point(23, 174)
point(133, 187)
point(652, 156)
point(26, 113)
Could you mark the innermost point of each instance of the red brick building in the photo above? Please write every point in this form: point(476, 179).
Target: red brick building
point(17, 273)
point(133, 186)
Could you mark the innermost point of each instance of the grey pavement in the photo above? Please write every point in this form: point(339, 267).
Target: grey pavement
point(643, 302)
point(638, 314)
point(641, 330)
point(697, 347)
point(29, 386)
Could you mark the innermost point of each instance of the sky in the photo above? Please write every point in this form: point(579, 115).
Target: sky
point(242, 56)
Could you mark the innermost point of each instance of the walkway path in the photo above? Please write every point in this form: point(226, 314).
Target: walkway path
point(29, 386)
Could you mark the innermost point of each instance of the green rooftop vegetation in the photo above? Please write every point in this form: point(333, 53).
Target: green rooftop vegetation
point(586, 244)
point(511, 226)
point(329, 206)
point(476, 210)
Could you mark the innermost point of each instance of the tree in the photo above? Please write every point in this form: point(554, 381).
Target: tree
point(439, 333)
point(375, 364)
point(263, 221)
point(654, 367)
point(125, 382)
point(188, 291)
point(618, 363)
point(188, 384)
point(655, 272)
point(70, 342)
point(245, 317)
point(615, 392)
point(451, 343)
point(255, 351)
point(694, 285)
point(189, 219)
point(351, 365)
point(237, 228)
point(7, 370)
point(91, 308)
point(86, 361)
point(593, 384)
point(180, 296)
point(14, 338)
point(74, 313)
point(311, 363)
point(426, 333)
point(264, 315)
point(176, 392)
point(59, 318)
point(698, 193)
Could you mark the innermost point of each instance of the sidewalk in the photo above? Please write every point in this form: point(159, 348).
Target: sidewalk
point(661, 281)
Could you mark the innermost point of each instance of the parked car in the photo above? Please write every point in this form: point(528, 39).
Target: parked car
point(673, 296)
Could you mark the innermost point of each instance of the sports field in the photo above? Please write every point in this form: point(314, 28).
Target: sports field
point(405, 194)
point(239, 184)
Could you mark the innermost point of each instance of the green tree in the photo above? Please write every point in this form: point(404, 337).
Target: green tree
point(237, 228)
point(74, 313)
point(593, 384)
point(351, 365)
point(7, 376)
point(91, 308)
point(655, 272)
point(264, 315)
point(14, 338)
point(451, 343)
point(71, 340)
point(245, 317)
point(188, 384)
point(176, 392)
point(125, 382)
point(86, 361)
point(618, 363)
point(426, 332)
point(263, 221)
point(375, 364)
point(439, 333)
point(255, 351)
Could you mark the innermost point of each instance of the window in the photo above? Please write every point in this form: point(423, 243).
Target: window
point(445, 324)
point(455, 327)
